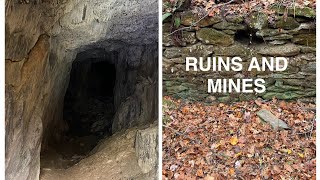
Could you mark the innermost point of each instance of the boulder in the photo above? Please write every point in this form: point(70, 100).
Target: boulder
point(268, 117)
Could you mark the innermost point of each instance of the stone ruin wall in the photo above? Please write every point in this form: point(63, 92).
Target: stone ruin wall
point(293, 37)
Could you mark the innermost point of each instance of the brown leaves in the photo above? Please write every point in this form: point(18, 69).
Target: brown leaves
point(222, 141)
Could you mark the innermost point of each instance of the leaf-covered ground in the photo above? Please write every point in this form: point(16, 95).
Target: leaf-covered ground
point(229, 141)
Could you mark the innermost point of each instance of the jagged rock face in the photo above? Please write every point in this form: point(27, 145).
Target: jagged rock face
point(42, 41)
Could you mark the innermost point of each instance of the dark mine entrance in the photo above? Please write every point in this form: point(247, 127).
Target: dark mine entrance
point(88, 103)
point(88, 112)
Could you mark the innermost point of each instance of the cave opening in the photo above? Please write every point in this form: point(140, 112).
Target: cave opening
point(88, 103)
point(88, 111)
point(247, 37)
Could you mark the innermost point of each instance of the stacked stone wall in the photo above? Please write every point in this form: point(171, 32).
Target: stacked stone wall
point(291, 35)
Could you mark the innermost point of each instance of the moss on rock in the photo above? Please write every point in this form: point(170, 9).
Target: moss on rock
point(215, 37)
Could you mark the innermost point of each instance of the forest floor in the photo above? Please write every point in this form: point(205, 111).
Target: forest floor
point(113, 158)
point(229, 141)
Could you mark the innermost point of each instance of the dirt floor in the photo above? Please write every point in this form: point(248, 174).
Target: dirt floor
point(112, 158)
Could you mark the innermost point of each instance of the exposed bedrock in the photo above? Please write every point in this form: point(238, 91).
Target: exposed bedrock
point(44, 39)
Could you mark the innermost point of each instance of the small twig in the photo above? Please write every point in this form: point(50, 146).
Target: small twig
point(179, 133)
point(312, 126)
point(174, 130)
point(310, 109)
point(310, 131)
point(195, 23)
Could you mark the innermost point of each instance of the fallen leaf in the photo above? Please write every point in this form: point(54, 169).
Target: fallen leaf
point(234, 141)
point(231, 171)
point(200, 173)
point(301, 155)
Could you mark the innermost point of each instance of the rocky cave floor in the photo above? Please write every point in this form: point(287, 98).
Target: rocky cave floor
point(113, 158)
point(89, 151)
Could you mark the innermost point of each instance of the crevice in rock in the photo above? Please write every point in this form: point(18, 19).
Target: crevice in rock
point(247, 37)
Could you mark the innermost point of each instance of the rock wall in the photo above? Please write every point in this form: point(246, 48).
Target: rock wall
point(136, 84)
point(292, 36)
point(42, 40)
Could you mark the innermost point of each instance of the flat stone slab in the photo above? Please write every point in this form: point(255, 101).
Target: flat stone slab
point(268, 117)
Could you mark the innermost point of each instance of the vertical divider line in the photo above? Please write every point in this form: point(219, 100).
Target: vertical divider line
point(160, 87)
point(2, 91)
point(317, 92)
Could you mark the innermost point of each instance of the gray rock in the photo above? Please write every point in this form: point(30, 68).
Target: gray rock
point(280, 50)
point(257, 20)
point(277, 42)
point(308, 26)
point(224, 25)
point(269, 32)
point(174, 60)
point(230, 32)
point(309, 68)
point(188, 18)
point(197, 50)
point(172, 52)
point(189, 37)
point(212, 36)
point(236, 49)
point(286, 23)
point(167, 40)
point(278, 37)
point(268, 117)
point(307, 39)
point(287, 95)
point(234, 18)
point(146, 146)
point(296, 11)
point(307, 49)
